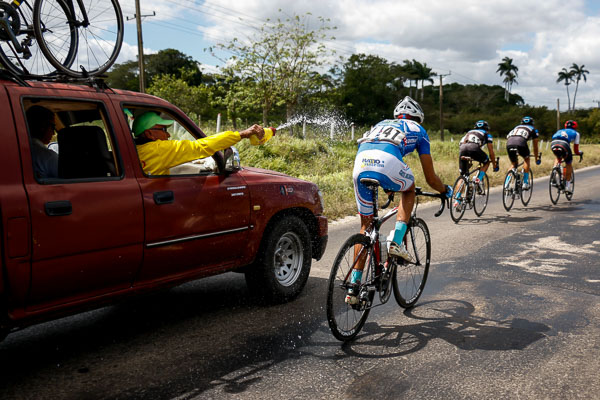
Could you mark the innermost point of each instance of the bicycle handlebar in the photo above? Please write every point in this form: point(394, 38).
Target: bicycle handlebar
point(580, 156)
point(420, 192)
point(441, 196)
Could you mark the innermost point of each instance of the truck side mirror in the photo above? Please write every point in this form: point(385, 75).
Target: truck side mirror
point(232, 159)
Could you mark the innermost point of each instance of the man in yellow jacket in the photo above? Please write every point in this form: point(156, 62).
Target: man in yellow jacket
point(158, 154)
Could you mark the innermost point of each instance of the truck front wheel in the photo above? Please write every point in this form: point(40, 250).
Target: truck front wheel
point(282, 267)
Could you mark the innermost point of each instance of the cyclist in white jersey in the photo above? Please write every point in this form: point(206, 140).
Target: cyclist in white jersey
point(380, 156)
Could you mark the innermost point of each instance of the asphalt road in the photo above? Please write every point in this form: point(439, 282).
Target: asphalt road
point(510, 310)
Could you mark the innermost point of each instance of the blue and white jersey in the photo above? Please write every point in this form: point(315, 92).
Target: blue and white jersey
point(406, 134)
point(568, 135)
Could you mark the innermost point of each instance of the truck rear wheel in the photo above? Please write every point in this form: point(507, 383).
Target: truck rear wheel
point(283, 264)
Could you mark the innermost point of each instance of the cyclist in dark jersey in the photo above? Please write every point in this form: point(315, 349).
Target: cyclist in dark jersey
point(471, 145)
point(517, 139)
point(561, 147)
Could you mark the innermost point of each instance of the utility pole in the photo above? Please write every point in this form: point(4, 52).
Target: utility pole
point(138, 19)
point(557, 114)
point(441, 102)
point(598, 102)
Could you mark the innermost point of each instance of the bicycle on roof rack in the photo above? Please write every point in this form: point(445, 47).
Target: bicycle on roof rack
point(45, 37)
point(381, 274)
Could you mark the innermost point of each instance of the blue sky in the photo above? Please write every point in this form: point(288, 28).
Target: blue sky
point(467, 37)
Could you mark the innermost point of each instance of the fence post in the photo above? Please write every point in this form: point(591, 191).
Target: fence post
point(218, 123)
point(331, 132)
point(352, 130)
point(498, 146)
point(304, 129)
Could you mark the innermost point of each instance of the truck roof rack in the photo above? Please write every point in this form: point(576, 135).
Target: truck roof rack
point(96, 82)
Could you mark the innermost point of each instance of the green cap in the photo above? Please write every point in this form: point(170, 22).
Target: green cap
point(147, 120)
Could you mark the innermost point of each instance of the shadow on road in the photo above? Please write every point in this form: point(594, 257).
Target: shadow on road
point(449, 320)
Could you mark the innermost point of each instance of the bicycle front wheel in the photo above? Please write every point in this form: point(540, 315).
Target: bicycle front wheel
point(508, 190)
point(459, 199)
point(31, 61)
point(409, 278)
point(526, 194)
point(99, 37)
point(554, 185)
point(569, 196)
point(345, 320)
point(482, 195)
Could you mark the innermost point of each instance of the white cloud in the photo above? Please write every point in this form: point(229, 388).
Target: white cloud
point(469, 37)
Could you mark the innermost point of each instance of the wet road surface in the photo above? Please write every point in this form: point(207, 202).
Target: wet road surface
point(510, 310)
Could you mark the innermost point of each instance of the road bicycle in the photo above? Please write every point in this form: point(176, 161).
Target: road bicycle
point(513, 185)
point(41, 37)
point(557, 182)
point(382, 274)
point(469, 194)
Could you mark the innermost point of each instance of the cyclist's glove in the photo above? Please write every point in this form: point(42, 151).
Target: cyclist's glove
point(538, 161)
point(496, 169)
point(448, 192)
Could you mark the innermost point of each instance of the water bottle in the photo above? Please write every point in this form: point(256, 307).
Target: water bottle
point(269, 132)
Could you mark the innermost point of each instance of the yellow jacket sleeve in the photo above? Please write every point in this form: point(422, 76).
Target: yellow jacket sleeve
point(158, 156)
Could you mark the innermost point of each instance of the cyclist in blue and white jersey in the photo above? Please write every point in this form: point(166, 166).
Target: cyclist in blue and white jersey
point(517, 139)
point(561, 147)
point(380, 156)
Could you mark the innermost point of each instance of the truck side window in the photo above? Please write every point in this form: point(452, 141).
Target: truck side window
point(157, 160)
point(70, 140)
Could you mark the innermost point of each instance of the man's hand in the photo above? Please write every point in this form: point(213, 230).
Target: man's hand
point(253, 130)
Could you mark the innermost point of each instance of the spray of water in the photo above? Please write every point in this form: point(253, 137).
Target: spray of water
point(326, 122)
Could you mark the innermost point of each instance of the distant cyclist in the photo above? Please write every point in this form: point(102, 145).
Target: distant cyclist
point(380, 157)
point(471, 145)
point(561, 147)
point(517, 139)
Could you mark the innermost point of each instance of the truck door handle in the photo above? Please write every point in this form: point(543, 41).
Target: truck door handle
point(58, 208)
point(164, 197)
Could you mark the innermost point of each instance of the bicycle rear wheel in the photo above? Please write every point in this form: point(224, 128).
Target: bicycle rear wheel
point(99, 41)
point(508, 190)
point(554, 185)
point(32, 61)
point(409, 278)
point(345, 320)
point(526, 194)
point(481, 198)
point(569, 196)
point(459, 199)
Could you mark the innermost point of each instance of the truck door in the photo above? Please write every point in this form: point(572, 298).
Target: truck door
point(87, 220)
point(196, 219)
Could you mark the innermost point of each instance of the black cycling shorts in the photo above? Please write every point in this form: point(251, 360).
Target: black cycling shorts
point(562, 150)
point(518, 144)
point(473, 151)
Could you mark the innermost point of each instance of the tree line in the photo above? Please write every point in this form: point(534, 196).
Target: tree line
point(280, 72)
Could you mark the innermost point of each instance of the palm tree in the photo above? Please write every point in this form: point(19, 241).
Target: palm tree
point(507, 68)
point(409, 72)
point(423, 73)
point(567, 77)
point(578, 72)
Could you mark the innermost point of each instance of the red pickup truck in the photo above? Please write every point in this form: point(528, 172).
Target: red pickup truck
point(101, 228)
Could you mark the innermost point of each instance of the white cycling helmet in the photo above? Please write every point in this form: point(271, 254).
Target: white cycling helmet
point(410, 107)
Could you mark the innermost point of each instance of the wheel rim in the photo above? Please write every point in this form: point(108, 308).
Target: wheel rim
point(553, 187)
point(458, 206)
point(409, 278)
point(288, 259)
point(481, 200)
point(508, 191)
point(526, 194)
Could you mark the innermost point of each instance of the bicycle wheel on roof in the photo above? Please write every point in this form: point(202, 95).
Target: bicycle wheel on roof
point(98, 26)
point(30, 61)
